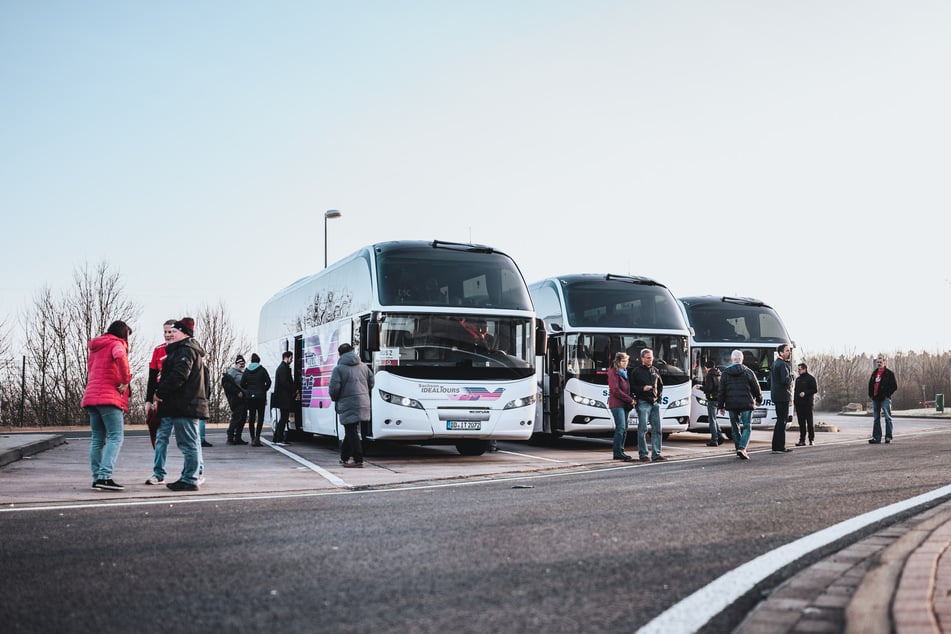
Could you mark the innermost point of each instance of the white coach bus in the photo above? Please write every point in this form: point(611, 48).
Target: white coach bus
point(448, 330)
point(721, 325)
point(589, 318)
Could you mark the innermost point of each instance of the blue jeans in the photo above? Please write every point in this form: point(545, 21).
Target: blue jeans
point(741, 440)
point(189, 443)
point(648, 412)
point(620, 430)
point(107, 436)
point(879, 406)
point(715, 435)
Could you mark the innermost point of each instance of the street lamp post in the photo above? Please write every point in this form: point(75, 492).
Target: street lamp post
point(330, 213)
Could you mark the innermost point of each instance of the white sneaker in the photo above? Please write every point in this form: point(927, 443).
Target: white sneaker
point(201, 479)
point(154, 479)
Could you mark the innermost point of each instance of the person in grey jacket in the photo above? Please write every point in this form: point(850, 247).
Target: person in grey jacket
point(350, 385)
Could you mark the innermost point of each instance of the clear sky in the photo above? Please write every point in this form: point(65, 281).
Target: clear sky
point(797, 152)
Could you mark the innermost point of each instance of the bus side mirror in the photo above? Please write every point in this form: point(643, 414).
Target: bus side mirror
point(541, 338)
point(373, 336)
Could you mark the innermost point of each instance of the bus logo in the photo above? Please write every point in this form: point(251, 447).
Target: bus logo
point(477, 394)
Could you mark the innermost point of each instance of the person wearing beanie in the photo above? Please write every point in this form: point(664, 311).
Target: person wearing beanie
point(255, 383)
point(350, 385)
point(106, 400)
point(231, 383)
point(182, 398)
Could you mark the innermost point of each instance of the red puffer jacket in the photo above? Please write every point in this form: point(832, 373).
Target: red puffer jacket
point(108, 367)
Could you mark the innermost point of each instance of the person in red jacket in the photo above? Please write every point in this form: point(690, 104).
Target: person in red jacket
point(155, 374)
point(106, 399)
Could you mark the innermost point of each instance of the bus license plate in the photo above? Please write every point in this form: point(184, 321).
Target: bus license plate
point(759, 413)
point(464, 425)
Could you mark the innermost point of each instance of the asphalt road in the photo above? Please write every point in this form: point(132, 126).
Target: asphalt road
point(583, 545)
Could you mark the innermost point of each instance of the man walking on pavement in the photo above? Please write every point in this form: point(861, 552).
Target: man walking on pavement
point(780, 390)
point(350, 385)
point(711, 390)
point(739, 393)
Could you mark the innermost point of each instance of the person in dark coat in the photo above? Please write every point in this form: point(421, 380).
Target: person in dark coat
point(285, 394)
point(231, 383)
point(647, 388)
point(182, 398)
point(804, 397)
point(255, 383)
point(739, 394)
point(350, 384)
point(780, 391)
point(711, 390)
point(881, 386)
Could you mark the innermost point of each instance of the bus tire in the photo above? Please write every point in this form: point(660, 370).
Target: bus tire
point(472, 447)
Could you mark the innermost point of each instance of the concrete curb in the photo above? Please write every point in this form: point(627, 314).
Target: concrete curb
point(42, 442)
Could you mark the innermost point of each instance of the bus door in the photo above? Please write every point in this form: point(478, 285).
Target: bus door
point(297, 422)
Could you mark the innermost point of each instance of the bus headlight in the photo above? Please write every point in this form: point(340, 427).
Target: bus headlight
point(702, 400)
point(396, 399)
point(680, 402)
point(520, 402)
point(590, 402)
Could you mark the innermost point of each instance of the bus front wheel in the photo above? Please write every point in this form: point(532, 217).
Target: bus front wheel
point(472, 447)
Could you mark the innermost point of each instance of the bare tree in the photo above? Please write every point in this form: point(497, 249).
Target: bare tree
point(217, 334)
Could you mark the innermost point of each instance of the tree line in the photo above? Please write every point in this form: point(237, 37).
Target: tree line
point(42, 382)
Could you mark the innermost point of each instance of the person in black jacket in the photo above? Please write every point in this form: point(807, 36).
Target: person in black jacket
point(182, 399)
point(804, 400)
point(739, 394)
point(285, 393)
point(780, 391)
point(647, 388)
point(711, 390)
point(255, 383)
point(231, 382)
point(881, 386)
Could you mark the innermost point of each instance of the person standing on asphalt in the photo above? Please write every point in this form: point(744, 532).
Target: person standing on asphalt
point(285, 393)
point(739, 394)
point(804, 400)
point(647, 388)
point(711, 390)
point(231, 382)
point(780, 389)
point(152, 419)
point(620, 402)
point(350, 384)
point(182, 402)
point(255, 383)
point(881, 386)
point(106, 400)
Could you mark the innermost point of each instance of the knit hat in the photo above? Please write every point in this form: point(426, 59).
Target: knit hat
point(185, 325)
point(238, 359)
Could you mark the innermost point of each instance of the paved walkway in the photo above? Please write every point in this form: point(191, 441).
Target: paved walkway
point(896, 580)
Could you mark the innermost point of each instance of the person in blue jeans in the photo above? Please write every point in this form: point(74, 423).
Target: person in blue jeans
point(647, 387)
point(620, 402)
point(182, 402)
point(739, 394)
point(881, 386)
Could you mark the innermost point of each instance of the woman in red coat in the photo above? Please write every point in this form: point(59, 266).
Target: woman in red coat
point(107, 400)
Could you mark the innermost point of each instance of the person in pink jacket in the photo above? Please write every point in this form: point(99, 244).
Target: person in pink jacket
point(107, 400)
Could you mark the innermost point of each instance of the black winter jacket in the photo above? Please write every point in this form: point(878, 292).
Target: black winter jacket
point(739, 389)
point(886, 387)
point(284, 388)
point(255, 382)
point(641, 376)
point(183, 390)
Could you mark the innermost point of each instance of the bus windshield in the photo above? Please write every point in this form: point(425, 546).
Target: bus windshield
point(600, 303)
point(447, 346)
point(423, 275)
point(590, 355)
point(735, 322)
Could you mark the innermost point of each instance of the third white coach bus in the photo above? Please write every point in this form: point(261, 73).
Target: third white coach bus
point(721, 325)
point(448, 329)
point(589, 318)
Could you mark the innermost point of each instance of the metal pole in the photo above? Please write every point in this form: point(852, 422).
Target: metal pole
point(22, 389)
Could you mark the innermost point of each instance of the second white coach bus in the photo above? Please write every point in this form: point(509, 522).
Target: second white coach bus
point(448, 330)
point(721, 325)
point(590, 317)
